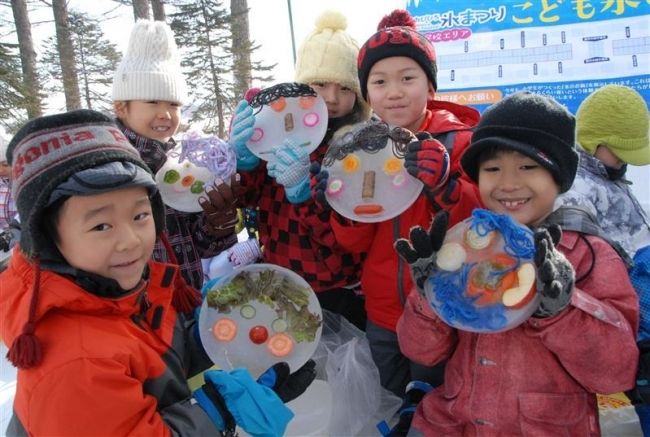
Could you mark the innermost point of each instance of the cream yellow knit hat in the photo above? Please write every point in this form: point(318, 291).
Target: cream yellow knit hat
point(329, 54)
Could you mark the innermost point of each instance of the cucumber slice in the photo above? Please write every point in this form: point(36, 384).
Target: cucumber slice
point(279, 325)
point(247, 311)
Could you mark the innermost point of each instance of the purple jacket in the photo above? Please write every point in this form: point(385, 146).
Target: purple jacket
point(541, 377)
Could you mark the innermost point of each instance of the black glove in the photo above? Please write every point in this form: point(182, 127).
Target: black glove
point(288, 386)
point(220, 207)
point(555, 274)
point(421, 251)
point(640, 394)
point(427, 160)
point(318, 184)
point(5, 241)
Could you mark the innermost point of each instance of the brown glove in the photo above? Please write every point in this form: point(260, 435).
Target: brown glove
point(220, 207)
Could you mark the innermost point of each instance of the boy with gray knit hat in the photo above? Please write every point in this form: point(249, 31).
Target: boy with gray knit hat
point(148, 92)
point(540, 377)
point(97, 330)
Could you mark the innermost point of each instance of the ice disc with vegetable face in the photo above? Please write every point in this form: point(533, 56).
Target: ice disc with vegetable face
point(260, 315)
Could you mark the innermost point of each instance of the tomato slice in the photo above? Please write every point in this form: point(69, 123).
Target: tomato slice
point(280, 344)
point(258, 334)
point(224, 330)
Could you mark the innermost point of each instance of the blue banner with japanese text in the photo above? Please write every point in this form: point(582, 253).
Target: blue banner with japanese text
point(563, 48)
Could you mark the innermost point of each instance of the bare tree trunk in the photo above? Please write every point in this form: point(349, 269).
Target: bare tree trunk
point(66, 55)
point(141, 9)
point(215, 78)
point(158, 7)
point(240, 46)
point(27, 58)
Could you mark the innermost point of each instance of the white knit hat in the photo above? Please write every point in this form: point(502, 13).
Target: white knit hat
point(329, 54)
point(150, 69)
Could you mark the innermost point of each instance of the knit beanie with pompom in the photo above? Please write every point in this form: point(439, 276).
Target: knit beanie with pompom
point(329, 54)
point(397, 36)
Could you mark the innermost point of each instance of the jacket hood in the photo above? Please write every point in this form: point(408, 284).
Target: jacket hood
point(448, 116)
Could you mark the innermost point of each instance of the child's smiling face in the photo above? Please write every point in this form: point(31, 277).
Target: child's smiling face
point(110, 234)
point(399, 91)
point(514, 184)
point(155, 119)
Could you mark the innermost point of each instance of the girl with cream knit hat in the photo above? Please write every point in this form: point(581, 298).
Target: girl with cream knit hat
point(294, 230)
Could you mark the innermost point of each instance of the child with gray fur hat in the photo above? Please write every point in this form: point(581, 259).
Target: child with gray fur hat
point(541, 377)
point(97, 329)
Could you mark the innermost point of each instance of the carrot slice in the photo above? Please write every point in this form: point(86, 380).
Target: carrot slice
point(187, 180)
point(280, 344)
point(368, 209)
point(224, 330)
point(279, 104)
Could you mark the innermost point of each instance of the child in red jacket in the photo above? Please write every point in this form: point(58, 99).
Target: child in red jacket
point(541, 377)
point(397, 71)
point(98, 330)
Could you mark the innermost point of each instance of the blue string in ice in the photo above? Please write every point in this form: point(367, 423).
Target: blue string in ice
point(518, 239)
point(457, 310)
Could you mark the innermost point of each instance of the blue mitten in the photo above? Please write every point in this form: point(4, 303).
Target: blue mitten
point(241, 130)
point(234, 398)
point(290, 167)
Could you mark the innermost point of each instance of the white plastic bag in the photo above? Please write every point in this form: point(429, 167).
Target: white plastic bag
point(343, 359)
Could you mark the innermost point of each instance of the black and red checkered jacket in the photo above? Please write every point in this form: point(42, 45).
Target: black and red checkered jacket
point(185, 231)
point(299, 237)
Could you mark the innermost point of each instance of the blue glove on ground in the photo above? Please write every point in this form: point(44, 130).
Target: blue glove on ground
point(421, 249)
point(234, 398)
point(415, 391)
point(241, 130)
point(290, 167)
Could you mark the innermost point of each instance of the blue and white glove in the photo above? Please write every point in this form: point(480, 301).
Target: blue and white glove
point(241, 130)
point(235, 398)
point(290, 167)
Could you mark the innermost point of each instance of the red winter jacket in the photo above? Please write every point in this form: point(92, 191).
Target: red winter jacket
point(541, 377)
point(110, 366)
point(385, 278)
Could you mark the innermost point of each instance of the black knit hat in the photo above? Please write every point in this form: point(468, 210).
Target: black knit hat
point(532, 124)
point(396, 36)
point(48, 150)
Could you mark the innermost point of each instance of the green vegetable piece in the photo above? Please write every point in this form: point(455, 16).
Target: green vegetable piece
point(197, 187)
point(247, 311)
point(171, 176)
point(279, 325)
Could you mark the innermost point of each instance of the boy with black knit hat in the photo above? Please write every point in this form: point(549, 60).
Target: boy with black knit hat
point(294, 230)
point(97, 330)
point(538, 378)
point(148, 91)
point(397, 73)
